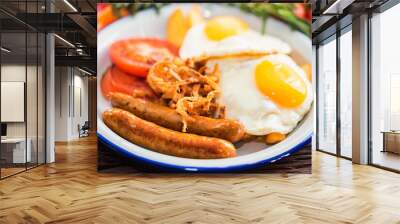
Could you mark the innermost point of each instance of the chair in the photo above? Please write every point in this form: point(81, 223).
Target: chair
point(84, 130)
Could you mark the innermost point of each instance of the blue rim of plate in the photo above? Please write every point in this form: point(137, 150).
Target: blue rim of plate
point(177, 168)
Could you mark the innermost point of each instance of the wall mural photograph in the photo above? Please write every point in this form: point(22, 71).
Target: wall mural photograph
point(205, 87)
point(180, 112)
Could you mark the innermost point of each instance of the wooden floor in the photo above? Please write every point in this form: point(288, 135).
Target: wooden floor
point(11, 170)
point(72, 191)
point(387, 159)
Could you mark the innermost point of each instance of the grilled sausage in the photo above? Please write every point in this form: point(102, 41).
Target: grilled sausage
point(166, 141)
point(164, 116)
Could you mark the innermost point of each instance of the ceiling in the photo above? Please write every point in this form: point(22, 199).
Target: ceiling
point(331, 15)
point(72, 20)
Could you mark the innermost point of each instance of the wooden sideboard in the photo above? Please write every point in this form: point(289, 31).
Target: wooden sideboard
point(391, 141)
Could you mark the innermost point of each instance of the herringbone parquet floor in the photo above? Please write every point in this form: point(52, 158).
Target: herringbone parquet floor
point(72, 191)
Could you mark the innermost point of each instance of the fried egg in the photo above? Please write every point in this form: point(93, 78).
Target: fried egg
point(226, 36)
point(267, 94)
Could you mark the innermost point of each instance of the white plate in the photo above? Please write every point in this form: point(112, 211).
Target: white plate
point(250, 155)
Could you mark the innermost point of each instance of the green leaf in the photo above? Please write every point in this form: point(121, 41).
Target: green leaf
point(281, 11)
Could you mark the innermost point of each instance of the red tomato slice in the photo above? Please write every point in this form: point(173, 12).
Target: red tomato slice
point(135, 56)
point(129, 84)
point(116, 80)
point(302, 12)
point(106, 84)
point(308, 15)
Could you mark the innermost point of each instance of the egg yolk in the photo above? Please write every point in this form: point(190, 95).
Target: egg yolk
point(222, 27)
point(281, 84)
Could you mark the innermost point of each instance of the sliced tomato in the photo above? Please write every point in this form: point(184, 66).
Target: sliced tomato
point(135, 56)
point(302, 12)
point(116, 80)
point(129, 84)
point(107, 84)
point(308, 15)
point(101, 6)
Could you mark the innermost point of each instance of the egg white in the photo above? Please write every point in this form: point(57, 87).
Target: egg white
point(197, 45)
point(246, 104)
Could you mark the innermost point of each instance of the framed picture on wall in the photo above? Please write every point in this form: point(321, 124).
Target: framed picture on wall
point(12, 98)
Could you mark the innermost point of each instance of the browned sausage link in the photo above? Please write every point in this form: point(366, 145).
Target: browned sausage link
point(220, 128)
point(166, 141)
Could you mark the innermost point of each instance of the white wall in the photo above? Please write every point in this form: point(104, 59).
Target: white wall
point(80, 110)
point(61, 115)
point(71, 94)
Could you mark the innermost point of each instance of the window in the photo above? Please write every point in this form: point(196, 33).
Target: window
point(22, 77)
point(346, 93)
point(394, 111)
point(385, 89)
point(327, 96)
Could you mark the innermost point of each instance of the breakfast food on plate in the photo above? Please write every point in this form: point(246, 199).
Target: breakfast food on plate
point(135, 56)
point(308, 70)
point(164, 116)
point(150, 135)
point(115, 80)
point(228, 36)
point(274, 138)
point(275, 93)
point(190, 88)
point(178, 23)
point(227, 83)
